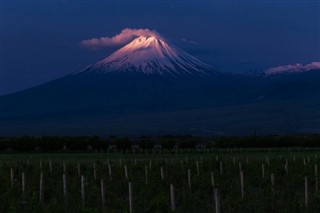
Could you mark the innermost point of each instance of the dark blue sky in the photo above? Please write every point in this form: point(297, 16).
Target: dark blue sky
point(40, 39)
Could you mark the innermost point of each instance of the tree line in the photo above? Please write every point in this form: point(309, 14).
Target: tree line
point(169, 142)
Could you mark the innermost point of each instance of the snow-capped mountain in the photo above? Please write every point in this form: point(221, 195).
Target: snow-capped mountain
point(292, 68)
point(149, 97)
point(151, 55)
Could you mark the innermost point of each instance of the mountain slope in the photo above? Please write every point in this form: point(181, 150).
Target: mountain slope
point(122, 92)
point(151, 87)
point(151, 55)
point(146, 74)
point(137, 104)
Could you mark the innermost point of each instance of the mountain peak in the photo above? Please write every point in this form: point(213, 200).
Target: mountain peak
point(144, 42)
point(151, 54)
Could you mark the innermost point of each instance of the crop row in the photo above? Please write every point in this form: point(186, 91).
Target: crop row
point(183, 183)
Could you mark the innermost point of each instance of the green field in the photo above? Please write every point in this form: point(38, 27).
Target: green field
point(152, 194)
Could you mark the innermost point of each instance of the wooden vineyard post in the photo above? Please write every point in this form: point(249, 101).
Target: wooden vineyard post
point(242, 184)
point(172, 198)
point(262, 170)
point(316, 177)
point(146, 173)
point(41, 190)
point(189, 179)
point(64, 180)
point(161, 173)
point(216, 200)
point(240, 167)
point(220, 167)
point(11, 177)
point(102, 195)
point(212, 179)
point(23, 184)
point(126, 172)
point(150, 164)
point(130, 197)
point(79, 169)
point(110, 171)
point(272, 182)
point(286, 166)
point(306, 191)
point(50, 166)
point(83, 195)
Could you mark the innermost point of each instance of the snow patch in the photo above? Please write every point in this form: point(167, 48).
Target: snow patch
point(292, 68)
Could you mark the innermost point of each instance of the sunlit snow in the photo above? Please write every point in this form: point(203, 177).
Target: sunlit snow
point(149, 55)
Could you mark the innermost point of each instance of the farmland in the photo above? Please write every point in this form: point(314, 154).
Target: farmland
point(181, 180)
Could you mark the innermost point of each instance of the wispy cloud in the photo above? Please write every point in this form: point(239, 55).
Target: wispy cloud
point(125, 36)
point(294, 68)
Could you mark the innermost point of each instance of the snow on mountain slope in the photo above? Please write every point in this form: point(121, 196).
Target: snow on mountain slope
point(151, 55)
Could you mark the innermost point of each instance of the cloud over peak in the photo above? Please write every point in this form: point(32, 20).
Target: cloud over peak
point(292, 68)
point(125, 36)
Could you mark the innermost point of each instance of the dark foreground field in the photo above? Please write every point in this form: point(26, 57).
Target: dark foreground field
point(274, 180)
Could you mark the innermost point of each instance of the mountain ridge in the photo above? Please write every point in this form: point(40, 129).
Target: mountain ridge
point(151, 55)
